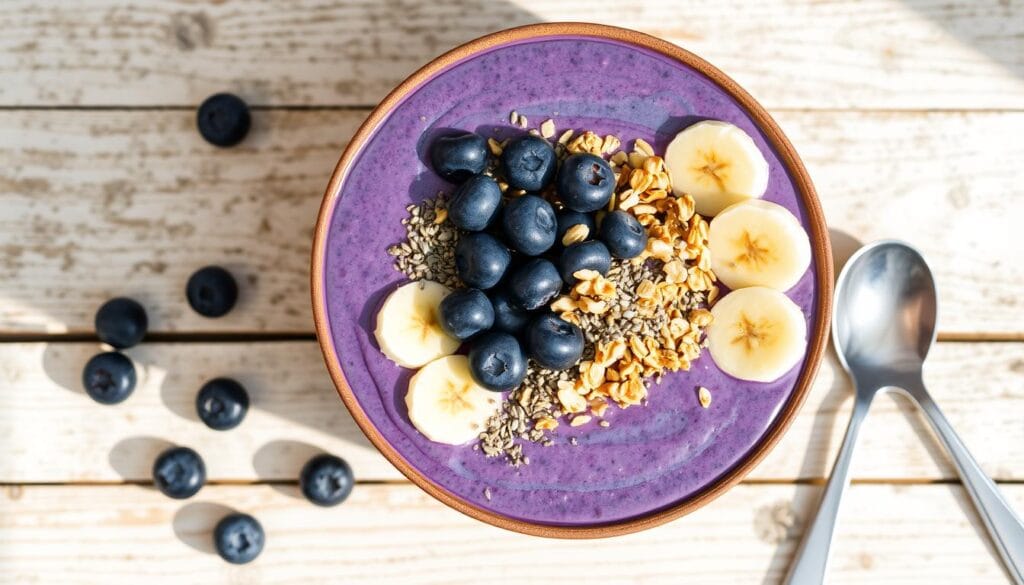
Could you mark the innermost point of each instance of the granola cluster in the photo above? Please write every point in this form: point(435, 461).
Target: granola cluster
point(671, 298)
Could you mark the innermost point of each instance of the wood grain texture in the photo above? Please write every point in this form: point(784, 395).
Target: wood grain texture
point(932, 54)
point(95, 203)
point(54, 433)
point(396, 534)
point(295, 414)
point(101, 203)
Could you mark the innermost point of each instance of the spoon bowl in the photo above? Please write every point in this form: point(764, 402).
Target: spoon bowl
point(885, 310)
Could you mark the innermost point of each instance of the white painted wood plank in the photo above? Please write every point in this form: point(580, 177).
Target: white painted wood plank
point(55, 432)
point(949, 184)
point(396, 534)
point(97, 204)
point(789, 53)
point(52, 432)
point(94, 204)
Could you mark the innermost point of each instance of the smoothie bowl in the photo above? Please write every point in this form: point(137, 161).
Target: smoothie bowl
point(571, 280)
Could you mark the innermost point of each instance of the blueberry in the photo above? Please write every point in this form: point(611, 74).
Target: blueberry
point(238, 538)
point(459, 157)
point(179, 473)
point(223, 119)
point(109, 377)
point(529, 224)
point(623, 234)
point(481, 260)
point(507, 316)
point(326, 480)
point(534, 284)
point(497, 362)
point(466, 312)
point(475, 204)
point(222, 403)
point(211, 291)
point(590, 255)
point(121, 322)
point(585, 182)
point(553, 343)
point(568, 218)
point(529, 163)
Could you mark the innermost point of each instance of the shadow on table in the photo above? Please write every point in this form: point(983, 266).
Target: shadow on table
point(318, 408)
point(815, 464)
point(987, 27)
point(194, 523)
point(807, 498)
point(64, 362)
point(284, 459)
point(938, 454)
point(133, 457)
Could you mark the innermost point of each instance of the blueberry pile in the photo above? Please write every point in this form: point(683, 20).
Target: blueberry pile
point(510, 254)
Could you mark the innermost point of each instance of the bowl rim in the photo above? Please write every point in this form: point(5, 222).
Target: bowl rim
point(776, 139)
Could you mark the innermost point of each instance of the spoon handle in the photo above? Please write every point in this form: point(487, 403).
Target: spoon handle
point(1003, 525)
point(811, 558)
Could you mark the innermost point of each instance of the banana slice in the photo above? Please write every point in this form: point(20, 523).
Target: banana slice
point(756, 334)
point(446, 405)
point(409, 325)
point(758, 243)
point(718, 164)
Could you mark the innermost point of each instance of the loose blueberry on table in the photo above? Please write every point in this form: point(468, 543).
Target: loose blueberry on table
point(326, 480)
point(222, 403)
point(481, 260)
point(109, 378)
point(179, 473)
point(212, 291)
point(466, 312)
point(121, 322)
point(458, 157)
point(238, 538)
point(529, 163)
point(223, 119)
point(529, 224)
point(497, 362)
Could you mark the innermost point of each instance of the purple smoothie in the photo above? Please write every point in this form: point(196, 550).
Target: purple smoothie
point(650, 457)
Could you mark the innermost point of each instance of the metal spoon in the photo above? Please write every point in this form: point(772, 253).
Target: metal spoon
point(882, 327)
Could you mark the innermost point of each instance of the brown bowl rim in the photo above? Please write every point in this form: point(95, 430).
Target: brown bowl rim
point(778, 141)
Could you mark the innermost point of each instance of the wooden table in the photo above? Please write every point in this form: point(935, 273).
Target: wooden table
point(908, 113)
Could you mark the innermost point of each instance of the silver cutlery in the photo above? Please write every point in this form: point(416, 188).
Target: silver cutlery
point(883, 325)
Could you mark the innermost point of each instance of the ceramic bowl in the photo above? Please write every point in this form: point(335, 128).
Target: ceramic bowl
point(654, 463)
